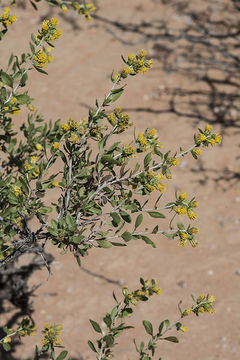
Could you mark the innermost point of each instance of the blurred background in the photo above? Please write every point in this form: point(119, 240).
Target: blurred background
point(194, 81)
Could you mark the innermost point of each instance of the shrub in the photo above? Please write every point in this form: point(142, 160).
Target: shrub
point(106, 190)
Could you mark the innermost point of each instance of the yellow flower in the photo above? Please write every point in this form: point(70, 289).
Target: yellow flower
point(169, 176)
point(16, 112)
point(192, 215)
point(33, 159)
point(194, 230)
point(45, 25)
point(212, 141)
point(143, 53)
point(162, 188)
point(36, 171)
point(65, 126)
point(7, 11)
point(55, 145)
point(64, 8)
point(57, 341)
point(182, 196)
point(39, 147)
point(159, 176)
point(186, 312)
point(13, 100)
point(208, 128)
point(17, 190)
point(55, 183)
point(131, 57)
point(152, 133)
point(202, 137)
point(27, 167)
point(183, 235)
point(73, 124)
point(200, 298)
point(143, 69)
point(212, 298)
point(174, 161)
point(127, 70)
point(194, 204)
point(74, 138)
point(44, 341)
point(218, 138)
point(54, 21)
point(201, 309)
point(183, 328)
point(197, 151)
point(7, 339)
point(141, 139)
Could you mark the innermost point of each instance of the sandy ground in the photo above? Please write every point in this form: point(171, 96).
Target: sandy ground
point(84, 59)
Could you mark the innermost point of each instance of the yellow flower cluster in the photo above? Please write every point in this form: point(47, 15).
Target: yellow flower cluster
point(6, 19)
point(17, 190)
point(135, 64)
point(154, 182)
point(49, 31)
point(149, 288)
point(205, 138)
point(75, 128)
point(188, 235)
point(12, 106)
point(128, 151)
point(119, 119)
point(43, 57)
point(50, 335)
point(147, 140)
point(85, 9)
point(204, 304)
point(31, 168)
point(182, 207)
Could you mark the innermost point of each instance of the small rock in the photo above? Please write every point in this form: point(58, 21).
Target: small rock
point(237, 272)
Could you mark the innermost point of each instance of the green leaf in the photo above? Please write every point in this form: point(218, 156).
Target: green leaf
point(95, 326)
point(23, 99)
point(104, 244)
point(109, 339)
point(148, 327)
point(70, 222)
point(92, 347)
point(117, 243)
point(148, 241)
point(107, 319)
point(156, 214)
point(114, 312)
point(102, 143)
point(155, 230)
point(116, 219)
point(160, 328)
point(23, 79)
point(40, 70)
point(172, 339)
point(6, 346)
point(78, 260)
point(115, 95)
point(125, 216)
point(138, 221)
point(6, 79)
point(180, 226)
point(45, 210)
point(147, 160)
point(62, 355)
point(127, 236)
